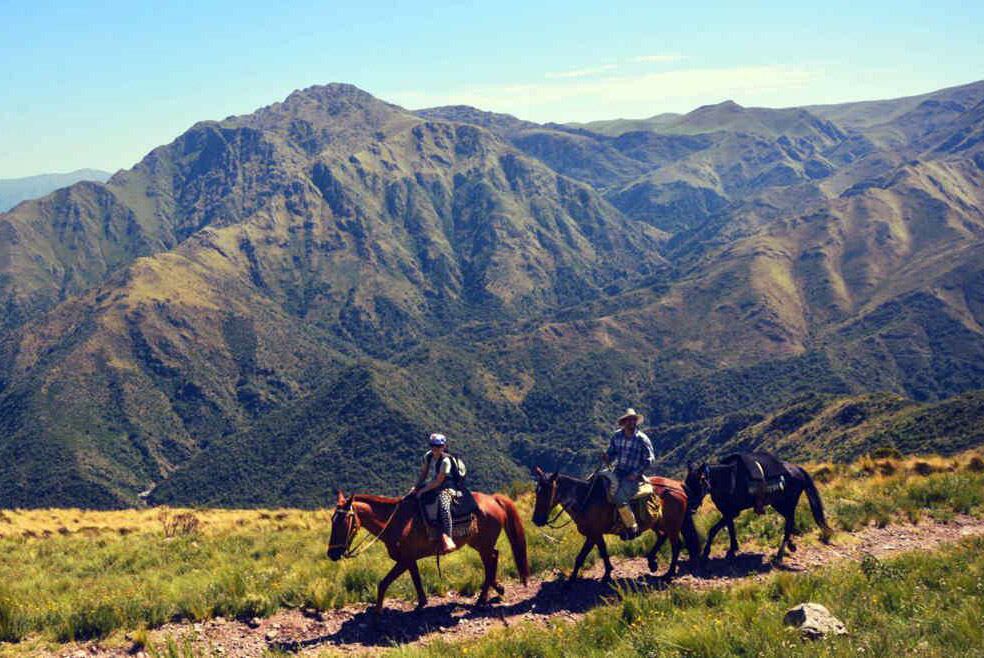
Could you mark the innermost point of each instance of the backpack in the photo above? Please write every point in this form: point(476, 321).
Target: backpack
point(458, 468)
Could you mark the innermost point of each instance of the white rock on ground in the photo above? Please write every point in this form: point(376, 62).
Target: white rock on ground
point(814, 621)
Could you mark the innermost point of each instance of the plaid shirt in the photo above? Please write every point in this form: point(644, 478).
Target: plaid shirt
point(630, 454)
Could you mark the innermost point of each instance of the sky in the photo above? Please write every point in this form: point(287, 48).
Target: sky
point(99, 85)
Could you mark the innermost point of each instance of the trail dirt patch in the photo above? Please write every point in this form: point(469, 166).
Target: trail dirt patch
point(355, 630)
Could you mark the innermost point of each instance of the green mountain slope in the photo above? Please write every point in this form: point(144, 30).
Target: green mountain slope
point(294, 298)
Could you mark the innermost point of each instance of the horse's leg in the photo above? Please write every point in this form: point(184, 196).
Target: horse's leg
point(790, 517)
point(496, 585)
point(419, 586)
point(674, 557)
point(384, 584)
point(579, 560)
point(603, 552)
point(733, 548)
point(651, 555)
point(716, 528)
point(490, 560)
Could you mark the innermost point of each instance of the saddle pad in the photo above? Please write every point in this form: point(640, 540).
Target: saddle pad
point(460, 528)
point(772, 485)
point(648, 512)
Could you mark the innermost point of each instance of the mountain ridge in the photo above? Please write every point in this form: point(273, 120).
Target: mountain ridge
point(517, 283)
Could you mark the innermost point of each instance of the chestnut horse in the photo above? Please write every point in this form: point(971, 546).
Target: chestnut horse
point(585, 502)
point(396, 522)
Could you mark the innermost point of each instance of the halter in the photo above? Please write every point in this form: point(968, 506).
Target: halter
point(564, 504)
point(353, 528)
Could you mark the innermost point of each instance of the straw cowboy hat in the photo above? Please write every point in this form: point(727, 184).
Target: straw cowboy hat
point(630, 413)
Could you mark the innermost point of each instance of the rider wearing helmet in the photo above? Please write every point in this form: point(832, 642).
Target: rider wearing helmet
point(438, 461)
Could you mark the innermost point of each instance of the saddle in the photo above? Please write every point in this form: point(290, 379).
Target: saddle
point(464, 520)
point(646, 504)
point(648, 511)
point(759, 468)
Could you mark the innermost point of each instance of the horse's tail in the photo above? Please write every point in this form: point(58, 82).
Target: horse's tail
point(516, 535)
point(816, 505)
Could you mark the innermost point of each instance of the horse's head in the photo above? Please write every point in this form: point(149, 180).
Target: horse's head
point(546, 495)
point(344, 526)
point(697, 483)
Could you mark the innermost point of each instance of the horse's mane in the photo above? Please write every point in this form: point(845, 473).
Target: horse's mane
point(372, 498)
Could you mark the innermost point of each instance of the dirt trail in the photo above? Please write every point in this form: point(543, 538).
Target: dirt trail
point(352, 629)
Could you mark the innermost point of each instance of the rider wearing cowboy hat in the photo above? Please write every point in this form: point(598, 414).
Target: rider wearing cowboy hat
point(629, 454)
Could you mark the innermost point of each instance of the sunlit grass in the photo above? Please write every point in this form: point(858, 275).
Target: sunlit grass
point(925, 604)
point(72, 574)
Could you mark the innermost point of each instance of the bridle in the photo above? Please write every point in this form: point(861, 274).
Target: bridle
point(565, 505)
point(704, 482)
point(353, 529)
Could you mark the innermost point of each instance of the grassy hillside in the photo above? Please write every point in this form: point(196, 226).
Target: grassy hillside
point(84, 574)
point(826, 427)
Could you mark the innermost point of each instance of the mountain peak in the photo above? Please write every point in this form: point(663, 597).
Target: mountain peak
point(332, 91)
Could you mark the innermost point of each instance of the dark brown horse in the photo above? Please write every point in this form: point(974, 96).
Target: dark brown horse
point(729, 489)
point(396, 522)
point(586, 504)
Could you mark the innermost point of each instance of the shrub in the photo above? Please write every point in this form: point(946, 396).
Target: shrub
point(179, 524)
point(886, 452)
point(922, 468)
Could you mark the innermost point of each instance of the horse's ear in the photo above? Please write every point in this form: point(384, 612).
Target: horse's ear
point(690, 468)
point(538, 473)
point(339, 497)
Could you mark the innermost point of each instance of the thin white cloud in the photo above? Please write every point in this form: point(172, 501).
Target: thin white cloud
point(581, 73)
point(645, 94)
point(657, 59)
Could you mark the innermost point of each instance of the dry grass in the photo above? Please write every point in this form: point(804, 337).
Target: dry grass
point(70, 573)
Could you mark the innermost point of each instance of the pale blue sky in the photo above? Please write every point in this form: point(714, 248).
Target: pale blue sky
point(100, 84)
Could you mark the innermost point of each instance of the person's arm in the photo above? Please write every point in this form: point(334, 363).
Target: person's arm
point(422, 476)
point(433, 484)
point(649, 457)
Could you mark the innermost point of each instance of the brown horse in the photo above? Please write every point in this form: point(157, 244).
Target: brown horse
point(396, 522)
point(586, 504)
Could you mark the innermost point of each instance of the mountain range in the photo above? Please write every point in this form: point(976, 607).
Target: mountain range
point(280, 302)
point(15, 190)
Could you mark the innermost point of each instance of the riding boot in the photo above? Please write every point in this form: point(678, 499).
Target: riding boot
point(760, 497)
point(631, 530)
point(447, 544)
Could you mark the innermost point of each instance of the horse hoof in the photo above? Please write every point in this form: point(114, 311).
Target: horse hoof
point(730, 556)
point(653, 565)
point(791, 547)
point(420, 606)
point(500, 589)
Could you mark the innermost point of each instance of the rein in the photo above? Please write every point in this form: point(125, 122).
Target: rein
point(362, 546)
point(579, 507)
